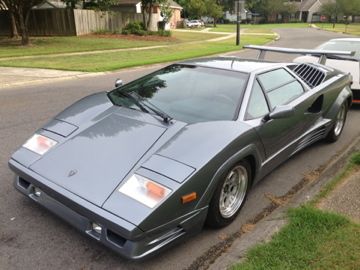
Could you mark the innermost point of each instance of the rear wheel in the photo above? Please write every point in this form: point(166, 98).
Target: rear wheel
point(229, 195)
point(339, 124)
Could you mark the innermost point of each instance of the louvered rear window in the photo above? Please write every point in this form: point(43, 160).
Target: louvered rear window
point(310, 74)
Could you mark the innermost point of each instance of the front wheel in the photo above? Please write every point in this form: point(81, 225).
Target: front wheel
point(339, 124)
point(229, 195)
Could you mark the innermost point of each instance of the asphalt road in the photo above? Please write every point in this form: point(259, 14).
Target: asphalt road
point(33, 238)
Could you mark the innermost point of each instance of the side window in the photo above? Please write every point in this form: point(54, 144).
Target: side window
point(285, 94)
point(257, 106)
point(280, 87)
point(275, 78)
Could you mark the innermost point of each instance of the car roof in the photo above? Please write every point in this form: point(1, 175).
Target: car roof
point(232, 63)
point(345, 39)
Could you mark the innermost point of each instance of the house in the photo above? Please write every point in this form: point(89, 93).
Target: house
point(135, 6)
point(309, 10)
point(53, 4)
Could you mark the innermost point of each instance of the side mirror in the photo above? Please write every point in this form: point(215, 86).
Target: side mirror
point(118, 83)
point(280, 112)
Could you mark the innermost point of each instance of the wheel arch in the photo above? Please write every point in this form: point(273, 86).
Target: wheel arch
point(345, 95)
point(248, 153)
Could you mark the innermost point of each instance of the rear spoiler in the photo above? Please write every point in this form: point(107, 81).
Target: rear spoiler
point(322, 54)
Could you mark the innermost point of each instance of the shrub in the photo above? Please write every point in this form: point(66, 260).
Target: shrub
point(164, 33)
point(135, 28)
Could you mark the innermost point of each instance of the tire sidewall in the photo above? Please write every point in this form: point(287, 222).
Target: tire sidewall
point(332, 137)
point(214, 218)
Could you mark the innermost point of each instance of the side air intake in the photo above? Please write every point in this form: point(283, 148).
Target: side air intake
point(311, 75)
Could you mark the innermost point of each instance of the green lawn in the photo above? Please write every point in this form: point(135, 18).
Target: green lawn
point(313, 239)
point(232, 27)
point(123, 59)
point(353, 29)
point(52, 45)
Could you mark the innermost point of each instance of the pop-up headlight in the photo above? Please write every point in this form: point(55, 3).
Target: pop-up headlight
point(39, 144)
point(144, 190)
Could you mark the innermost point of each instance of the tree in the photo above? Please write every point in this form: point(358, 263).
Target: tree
point(331, 11)
point(166, 12)
point(213, 10)
point(194, 8)
point(349, 7)
point(13, 28)
point(21, 12)
point(102, 5)
point(147, 6)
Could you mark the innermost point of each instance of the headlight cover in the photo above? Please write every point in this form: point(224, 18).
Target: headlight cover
point(144, 190)
point(39, 144)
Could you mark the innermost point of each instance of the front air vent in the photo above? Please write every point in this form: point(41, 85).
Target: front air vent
point(310, 74)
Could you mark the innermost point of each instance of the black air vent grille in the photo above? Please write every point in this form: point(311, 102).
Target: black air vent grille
point(311, 75)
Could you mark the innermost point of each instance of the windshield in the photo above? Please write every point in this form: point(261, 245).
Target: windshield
point(187, 93)
point(342, 45)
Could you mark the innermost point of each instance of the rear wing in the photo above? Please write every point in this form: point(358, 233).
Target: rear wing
point(322, 54)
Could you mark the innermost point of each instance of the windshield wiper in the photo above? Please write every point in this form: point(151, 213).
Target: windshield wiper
point(166, 118)
point(135, 100)
point(146, 106)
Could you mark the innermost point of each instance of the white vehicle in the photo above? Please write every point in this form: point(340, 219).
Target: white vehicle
point(194, 23)
point(348, 64)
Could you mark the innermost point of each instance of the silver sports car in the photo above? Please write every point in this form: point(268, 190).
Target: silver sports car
point(151, 161)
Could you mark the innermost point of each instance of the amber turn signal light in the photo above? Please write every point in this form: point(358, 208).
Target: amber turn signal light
point(188, 197)
point(155, 189)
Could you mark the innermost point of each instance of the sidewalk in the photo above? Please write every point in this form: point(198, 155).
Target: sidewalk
point(20, 76)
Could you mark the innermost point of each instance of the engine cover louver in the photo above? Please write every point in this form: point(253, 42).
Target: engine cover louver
point(310, 74)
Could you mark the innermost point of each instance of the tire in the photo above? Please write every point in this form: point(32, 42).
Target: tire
point(338, 126)
point(230, 195)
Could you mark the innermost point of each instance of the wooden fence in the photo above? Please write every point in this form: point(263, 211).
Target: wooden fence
point(68, 22)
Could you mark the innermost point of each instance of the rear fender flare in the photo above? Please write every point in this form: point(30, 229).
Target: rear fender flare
point(344, 96)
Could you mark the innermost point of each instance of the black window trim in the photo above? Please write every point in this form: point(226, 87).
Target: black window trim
point(248, 103)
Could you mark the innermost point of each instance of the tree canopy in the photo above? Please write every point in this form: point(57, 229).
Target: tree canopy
point(198, 8)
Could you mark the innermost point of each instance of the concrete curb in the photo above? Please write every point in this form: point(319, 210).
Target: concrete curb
point(273, 222)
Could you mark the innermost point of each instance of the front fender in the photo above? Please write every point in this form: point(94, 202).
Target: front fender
point(249, 152)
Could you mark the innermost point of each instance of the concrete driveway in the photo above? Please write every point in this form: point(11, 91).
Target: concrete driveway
point(33, 238)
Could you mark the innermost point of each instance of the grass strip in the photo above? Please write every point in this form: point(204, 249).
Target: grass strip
point(313, 239)
point(346, 171)
point(125, 59)
point(231, 28)
point(57, 45)
point(352, 29)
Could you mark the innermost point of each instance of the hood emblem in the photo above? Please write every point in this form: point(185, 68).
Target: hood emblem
point(72, 173)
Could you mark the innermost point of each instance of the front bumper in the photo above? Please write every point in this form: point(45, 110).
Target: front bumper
point(118, 234)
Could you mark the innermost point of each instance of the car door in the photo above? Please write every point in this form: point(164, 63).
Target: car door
point(273, 90)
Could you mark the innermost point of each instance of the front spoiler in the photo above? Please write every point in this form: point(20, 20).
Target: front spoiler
point(118, 234)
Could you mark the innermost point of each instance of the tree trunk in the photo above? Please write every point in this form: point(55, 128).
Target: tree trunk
point(23, 28)
point(150, 17)
point(14, 32)
point(149, 20)
point(144, 17)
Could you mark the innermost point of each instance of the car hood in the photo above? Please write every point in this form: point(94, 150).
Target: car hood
point(92, 163)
